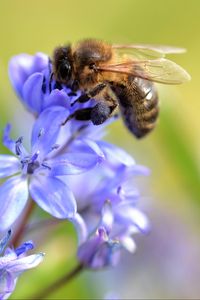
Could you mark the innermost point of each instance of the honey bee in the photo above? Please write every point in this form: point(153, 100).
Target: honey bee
point(117, 76)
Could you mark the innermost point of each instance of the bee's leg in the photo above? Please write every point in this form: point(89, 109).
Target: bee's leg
point(97, 114)
point(100, 113)
point(90, 94)
point(80, 114)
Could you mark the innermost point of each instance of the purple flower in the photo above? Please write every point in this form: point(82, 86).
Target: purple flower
point(40, 173)
point(24, 65)
point(108, 208)
point(100, 249)
point(13, 263)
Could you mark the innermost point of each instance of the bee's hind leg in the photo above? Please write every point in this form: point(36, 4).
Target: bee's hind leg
point(97, 114)
point(100, 113)
point(80, 115)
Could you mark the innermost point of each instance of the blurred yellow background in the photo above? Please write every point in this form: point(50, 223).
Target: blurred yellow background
point(167, 263)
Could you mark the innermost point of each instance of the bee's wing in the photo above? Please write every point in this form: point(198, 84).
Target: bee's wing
point(139, 51)
point(159, 70)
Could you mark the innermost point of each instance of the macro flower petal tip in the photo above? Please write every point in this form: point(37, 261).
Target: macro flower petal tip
point(22, 66)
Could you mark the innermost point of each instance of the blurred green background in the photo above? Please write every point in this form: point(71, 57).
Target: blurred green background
point(167, 262)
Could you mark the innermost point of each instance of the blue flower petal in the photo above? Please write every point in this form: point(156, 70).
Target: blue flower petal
point(107, 217)
point(107, 255)
point(56, 98)
point(87, 250)
point(22, 66)
point(13, 198)
point(128, 243)
point(52, 195)
point(130, 216)
point(15, 147)
point(94, 147)
point(7, 141)
point(137, 170)
point(81, 228)
point(7, 284)
point(46, 129)
point(115, 154)
point(32, 92)
point(99, 251)
point(4, 241)
point(20, 265)
point(73, 163)
point(9, 165)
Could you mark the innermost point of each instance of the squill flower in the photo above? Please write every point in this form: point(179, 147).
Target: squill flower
point(38, 173)
point(107, 201)
point(13, 263)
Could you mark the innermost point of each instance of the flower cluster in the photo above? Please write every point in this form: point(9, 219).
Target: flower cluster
point(69, 171)
point(108, 207)
point(13, 263)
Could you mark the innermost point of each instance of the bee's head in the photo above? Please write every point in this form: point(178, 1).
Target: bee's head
point(62, 64)
point(88, 56)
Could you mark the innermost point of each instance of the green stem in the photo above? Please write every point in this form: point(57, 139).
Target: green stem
point(21, 228)
point(59, 283)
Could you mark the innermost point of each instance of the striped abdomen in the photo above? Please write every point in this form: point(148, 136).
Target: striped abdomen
point(138, 102)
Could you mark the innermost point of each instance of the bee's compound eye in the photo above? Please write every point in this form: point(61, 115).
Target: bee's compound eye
point(65, 70)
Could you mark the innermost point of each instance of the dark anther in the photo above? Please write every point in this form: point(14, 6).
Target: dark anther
point(17, 145)
point(55, 146)
point(46, 166)
point(41, 132)
point(119, 189)
point(58, 86)
point(19, 140)
point(44, 86)
point(50, 81)
point(32, 166)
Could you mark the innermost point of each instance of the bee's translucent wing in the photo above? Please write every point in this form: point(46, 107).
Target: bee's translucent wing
point(142, 51)
point(159, 70)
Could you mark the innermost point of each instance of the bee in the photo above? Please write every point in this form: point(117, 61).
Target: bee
point(117, 76)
